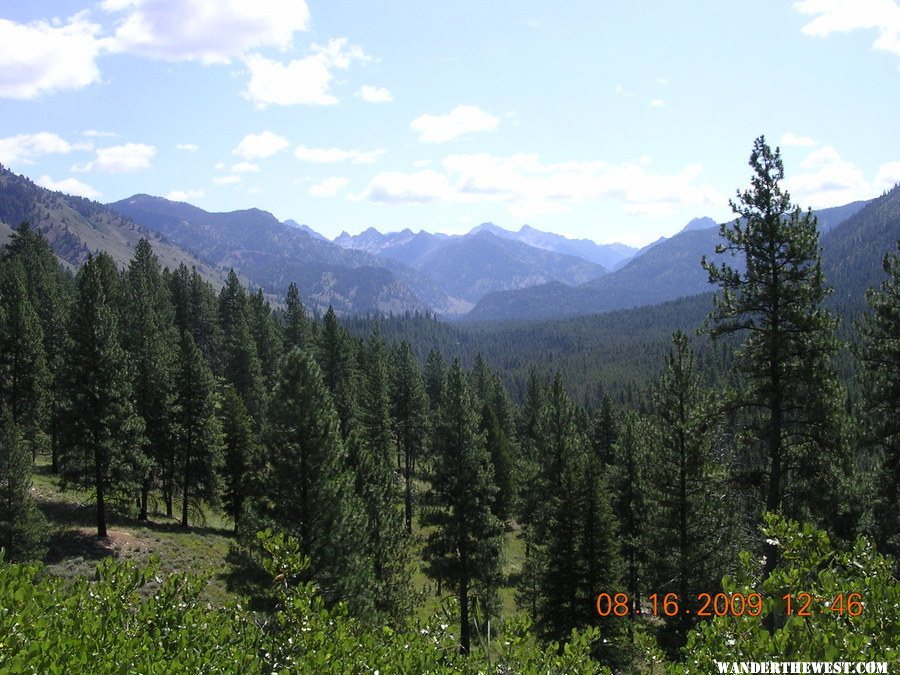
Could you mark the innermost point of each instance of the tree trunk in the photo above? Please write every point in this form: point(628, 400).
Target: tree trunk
point(145, 494)
point(464, 616)
point(408, 496)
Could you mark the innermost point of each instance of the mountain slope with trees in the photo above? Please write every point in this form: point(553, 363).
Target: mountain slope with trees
point(76, 227)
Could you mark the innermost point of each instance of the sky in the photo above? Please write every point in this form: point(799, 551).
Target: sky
point(608, 121)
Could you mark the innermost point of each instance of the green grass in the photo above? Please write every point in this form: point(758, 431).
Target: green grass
point(75, 551)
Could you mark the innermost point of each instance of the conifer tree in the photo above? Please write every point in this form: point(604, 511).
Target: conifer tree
point(24, 378)
point(242, 460)
point(409, 418)
point(338, 364)
point(604, 431)
point(102, 437)
point(528, 498)
point(150, 341)
point(774, 300)
point(464, 549)
point(240, 361)
point(309, 488)
point(371, 453)
point(266, 335)
point(628, 485)
point(49, 290)
point(880, 354)
point(197, 431)
point(296, 323)
point(196, 311)
point(435, 378)
point(688, 537)
point(576, 530)
point(23, 529)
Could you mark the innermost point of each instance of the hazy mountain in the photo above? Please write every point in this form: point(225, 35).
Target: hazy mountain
point(607, 255)
point(703, 223)
point(272, 254)
point(471, 265)
point(665, 270)
point(76, 226)
point(306, 228)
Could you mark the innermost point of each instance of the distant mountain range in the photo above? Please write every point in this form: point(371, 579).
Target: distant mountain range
point(670, 268)
point(487, 274)
point(272, 254)
point(480, 262)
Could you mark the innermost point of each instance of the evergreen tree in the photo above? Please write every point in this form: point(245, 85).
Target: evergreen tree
point(24, 378)
point(774, 299)
point(880, 354)
point(688, 537)
point(409, 418)
point(528, 498)
point(49, 290)
point(576, 530)
point(464, 548)
point(296, 323)
point(628, 485)
point(196, 311)
point(150, 341)
point(241, 454)
point(371, 457)
point(604, 431)
point(103, 437)
point(266, 334)
point(198, 433)
point(435, 378)
point(338, 364)
point(309, 488)
point(23, 529)
point(240, 362)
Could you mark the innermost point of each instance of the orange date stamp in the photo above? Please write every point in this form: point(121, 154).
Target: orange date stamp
point(728, 604)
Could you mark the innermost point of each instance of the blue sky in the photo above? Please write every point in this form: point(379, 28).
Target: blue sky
point(612, 121)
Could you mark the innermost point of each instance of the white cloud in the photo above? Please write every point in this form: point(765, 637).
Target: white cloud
point(187, 147)
point(463, 119)
point(24, 148)
point(330, 187)
point(260, 146)
point(623, 91)
point(842, 16)
point(69, 186)
point(529, 186)
point(423, 187)
point(41, 57)
point(120, 159)
point(888, 176)
point(226, 180)
point(332, 155)
point(422, 163)
point(184, 195)
point(94, 133)
point(828, 180)
point(791, 139)
point(374, 94)
point(657, 103)
point(244, 167)
point(204, 30)
point(302, 81)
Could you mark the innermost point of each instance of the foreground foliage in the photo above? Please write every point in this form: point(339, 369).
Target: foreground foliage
point(128, 620)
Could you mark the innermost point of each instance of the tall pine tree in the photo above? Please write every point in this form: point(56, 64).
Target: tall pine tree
point(197, 431)
point(150, 341)
point(464, 549)
point(103, 437)
point(240, 361)
point(309, 487)
point(23, 529)
point(409, 417)
point(773, 299)
point(880, 354)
